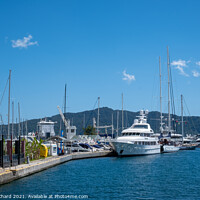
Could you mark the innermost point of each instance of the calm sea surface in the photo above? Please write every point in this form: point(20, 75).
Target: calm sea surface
point(164, 176)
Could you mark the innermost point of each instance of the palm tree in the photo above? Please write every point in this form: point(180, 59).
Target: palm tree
point(33, 148)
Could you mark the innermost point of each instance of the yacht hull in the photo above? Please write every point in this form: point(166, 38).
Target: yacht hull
point(188, 147)
point(170, 149)
point(129, 149)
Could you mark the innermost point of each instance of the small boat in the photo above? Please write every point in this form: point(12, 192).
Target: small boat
point(188, 147)
point(189, 143)
point(168, 146)
point(86, 146)
point(97, 147)
point(104, 146)
point(76, 147)
point(170, 149)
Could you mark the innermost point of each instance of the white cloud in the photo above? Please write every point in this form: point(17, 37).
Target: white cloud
point(195, 73)
point(23, 43)
point(198, 63)
point(181, 71)
point(180, 64)
point(128, 77)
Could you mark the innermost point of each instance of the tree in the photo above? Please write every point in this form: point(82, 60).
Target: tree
point(33, 148)
point(89, 130)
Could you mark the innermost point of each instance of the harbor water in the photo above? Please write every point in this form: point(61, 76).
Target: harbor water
point(162, 176)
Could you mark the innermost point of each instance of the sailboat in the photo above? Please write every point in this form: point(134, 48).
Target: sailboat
point(188, 141)
point(167, 144)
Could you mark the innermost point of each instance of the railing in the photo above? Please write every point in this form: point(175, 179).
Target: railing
point(14, 159)
point(6, 161)
point(7, 158)
point(22, 158)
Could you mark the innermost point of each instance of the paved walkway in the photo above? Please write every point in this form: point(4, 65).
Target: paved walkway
point(32, 163)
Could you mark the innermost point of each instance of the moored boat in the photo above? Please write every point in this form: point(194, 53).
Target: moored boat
point(188, 147)
point(165, 136)
point(170, 149)
point(168, 146)
point(137, 139)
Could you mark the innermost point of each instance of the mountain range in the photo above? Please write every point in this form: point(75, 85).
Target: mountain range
point(85, 118)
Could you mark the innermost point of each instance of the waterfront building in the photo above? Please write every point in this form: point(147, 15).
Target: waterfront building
point(45, 129)
point(70, 131)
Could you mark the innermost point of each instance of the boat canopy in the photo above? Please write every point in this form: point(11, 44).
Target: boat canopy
point(85, 145)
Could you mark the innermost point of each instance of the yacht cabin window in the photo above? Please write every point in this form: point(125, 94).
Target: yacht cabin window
point(137, 134)
point(144, 143)
point(141, 126)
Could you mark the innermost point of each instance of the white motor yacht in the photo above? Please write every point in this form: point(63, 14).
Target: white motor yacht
point(137, 139)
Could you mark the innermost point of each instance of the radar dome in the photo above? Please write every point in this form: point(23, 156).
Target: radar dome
point(141, 112)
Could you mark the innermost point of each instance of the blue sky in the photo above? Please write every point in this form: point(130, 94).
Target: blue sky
point(98, 48)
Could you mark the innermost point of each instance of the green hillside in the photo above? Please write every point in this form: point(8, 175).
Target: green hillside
point(81, 119)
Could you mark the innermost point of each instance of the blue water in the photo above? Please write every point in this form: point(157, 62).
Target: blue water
point(164, 176)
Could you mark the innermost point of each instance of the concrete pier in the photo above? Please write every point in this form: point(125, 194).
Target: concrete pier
point(10, 174)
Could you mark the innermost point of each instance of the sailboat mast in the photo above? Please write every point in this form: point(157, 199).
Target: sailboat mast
point(22, 127)
point(26, 127)
point(122, 114)
point(84, 120)
point(19, 120)
point(161, 117)
point(169, 118)
point(65, 99)
point(98, 116)
point(112, 126)
point(182, 115)
point(1, 125)
point(12, 118)
point(9, 106)
point(117, 122)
